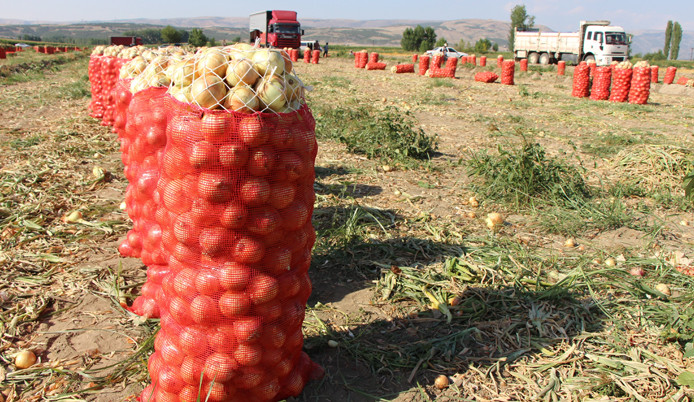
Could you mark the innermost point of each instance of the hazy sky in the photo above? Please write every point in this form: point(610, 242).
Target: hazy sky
point(633, 15)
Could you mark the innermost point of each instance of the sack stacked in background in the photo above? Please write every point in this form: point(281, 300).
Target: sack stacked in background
point(621, 81)
point(524, 65)
point(669, 75)
point(448, 71)
point(402, 68)
point(374, 64)
point(640, 87)
point(561, 67)
point(423, 64)
point(654, 74)
point(581, 81)
point(601, 83)
point(499, 61)
point(507, 72)
point(483, 61)
point(415, 57)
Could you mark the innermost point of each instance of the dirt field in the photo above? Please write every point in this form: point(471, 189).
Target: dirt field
point(408, 281)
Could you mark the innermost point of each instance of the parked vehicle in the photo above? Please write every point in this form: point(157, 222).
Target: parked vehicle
point(126, 40)
point(276, 28)
point(447, 52)
point(595, 40)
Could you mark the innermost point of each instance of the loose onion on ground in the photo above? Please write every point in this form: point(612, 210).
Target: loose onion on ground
point(25, 359)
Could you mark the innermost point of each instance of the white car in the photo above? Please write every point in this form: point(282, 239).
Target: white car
point(447, 52)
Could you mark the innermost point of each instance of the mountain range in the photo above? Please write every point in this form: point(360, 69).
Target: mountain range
point(336, 31)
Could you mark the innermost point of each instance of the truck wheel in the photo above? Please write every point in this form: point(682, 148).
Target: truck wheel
point(589, 58)
point(533, 58)
point(544, 59)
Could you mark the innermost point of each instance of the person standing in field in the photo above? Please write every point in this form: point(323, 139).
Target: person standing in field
point(325, 50)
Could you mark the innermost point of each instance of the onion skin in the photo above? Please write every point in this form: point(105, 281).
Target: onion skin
point(25, 359)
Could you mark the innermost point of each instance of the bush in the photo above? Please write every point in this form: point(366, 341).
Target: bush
point(387, 134)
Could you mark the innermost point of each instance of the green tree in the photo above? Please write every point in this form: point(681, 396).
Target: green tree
point(170, 34)
point(418, 39)
point(407, 42)
point(676, 39)
point(495, 47)
point(149, 35)
point(197, 37)
point(441, 42)
point(428, 40)
point(212, 42)
point(483, 45)
point(519, 20)
point(668, 38)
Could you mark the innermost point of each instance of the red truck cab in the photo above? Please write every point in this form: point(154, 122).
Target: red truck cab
point(276, 28)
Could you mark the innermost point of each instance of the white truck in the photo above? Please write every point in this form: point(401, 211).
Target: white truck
point(595, 40)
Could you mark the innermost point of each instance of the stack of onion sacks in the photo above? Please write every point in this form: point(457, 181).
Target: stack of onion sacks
point(601, 83)
point(640, 87)
point(621, 81)
point(508, 68)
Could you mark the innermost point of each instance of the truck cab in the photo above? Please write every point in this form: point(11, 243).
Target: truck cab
point(276, 28)
point(603, 43)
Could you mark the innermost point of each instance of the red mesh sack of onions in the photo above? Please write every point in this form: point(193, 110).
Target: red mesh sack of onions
point(486, 76)
point(601, 83)
point(524, 65)
point(415, 57)
point(315, 56)
point(373, 57)
point(375, 66)
point(654, 74)
point(508, 68)
point(110, 77)
point(423, 64)
point(307, 56)
point(669, 75)
point(235, 203)
point(621, 81)
point(682, 80)
point(561, 67)
point(581, 82)
point(402, 68)
point(499, 61)
point(94, 71)
point(483, 61)
point(640, 87)
point(436, 60)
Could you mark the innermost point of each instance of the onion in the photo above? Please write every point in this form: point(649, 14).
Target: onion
point(233, 155)
point(241, 71)
point(441, 382)
point(215, 126)
point(252, 132)
point(234, 304)
point(25, 359)
point(271, 92)
point(242, 99)
point(570, 242)
point(208, 91)
point(663, 288)
point(635, 271)
point(212, 62)
point(248, 354)
point(267, 61)
point(610, 262)
point(261, 161)
point(220, 367)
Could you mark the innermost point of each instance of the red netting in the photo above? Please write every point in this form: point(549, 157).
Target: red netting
point(414, 58)
point(473, 60)
point(507, 72)
point(621, 82)
point(94, 72)
point(524, 65)
point(669, 75)
point(2, 53)
point(640, 87)
point(682, 80)
point(122, 98)
point(592, 66)
point(486, 76)
point(402, 68)
point(581, 83)
point(483, 61)
point(375, 66)
point(373, 57)
point(109, 78)
point(315, 56)
point(294, 55)
point(363, 59)
point(601, 84)
point(561, 67)
point(499, 61)
point(436, 61)
point(235, 202)
point(307, 56)
point(423, 64)
point(654, 74)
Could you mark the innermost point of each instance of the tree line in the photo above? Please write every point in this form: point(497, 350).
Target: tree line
point(421, 39)
point(169, 34)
